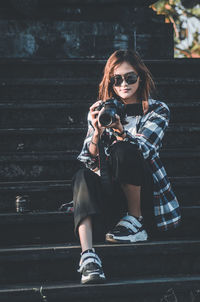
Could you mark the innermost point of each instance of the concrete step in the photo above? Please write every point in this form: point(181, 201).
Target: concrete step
point(52, 115)
point(86, 88)
point(62, 165)
point(37, 227)
point(155, 289)
point(35, 139)
point(80, 68)
point(182, 136)
point(42, 227)
point(55, 263)
point(50, 195)
point(43, 195)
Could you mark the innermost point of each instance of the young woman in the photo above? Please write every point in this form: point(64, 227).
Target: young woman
point(141, 194)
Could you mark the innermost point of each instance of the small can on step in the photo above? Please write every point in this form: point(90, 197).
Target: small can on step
point(22, 204)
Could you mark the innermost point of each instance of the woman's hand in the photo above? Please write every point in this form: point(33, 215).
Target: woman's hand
point(98, 129)
point(95, 120)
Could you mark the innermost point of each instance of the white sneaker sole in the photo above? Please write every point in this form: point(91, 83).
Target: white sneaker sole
point(93, 278)
point(141, 236)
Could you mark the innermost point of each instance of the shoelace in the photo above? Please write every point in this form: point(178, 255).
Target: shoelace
point(89, 257)
point(131, 223)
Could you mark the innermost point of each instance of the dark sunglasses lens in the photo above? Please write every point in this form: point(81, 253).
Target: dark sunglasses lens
point(131, 78)
point(117, 80)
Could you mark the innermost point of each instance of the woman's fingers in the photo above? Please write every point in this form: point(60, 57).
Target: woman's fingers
point(95, 122)
point(96, 104)
point(94, 113)
point(99, 124)
point(117, 118)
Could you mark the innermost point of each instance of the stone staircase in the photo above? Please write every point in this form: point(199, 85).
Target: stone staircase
point(44, 105)
point(45, 93)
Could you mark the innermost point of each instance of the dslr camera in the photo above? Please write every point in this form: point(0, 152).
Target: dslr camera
point(111, 107)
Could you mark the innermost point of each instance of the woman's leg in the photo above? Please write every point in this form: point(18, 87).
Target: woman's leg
point(85, 234)
point(85, 195)
point(127, 165)
point(133, 196)
point(86, 201)
point(127, 168)
point(93, 212)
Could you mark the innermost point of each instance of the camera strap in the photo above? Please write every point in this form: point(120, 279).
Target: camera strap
point(104, 170)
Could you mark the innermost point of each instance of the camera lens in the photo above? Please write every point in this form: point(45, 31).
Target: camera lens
point(105, 119)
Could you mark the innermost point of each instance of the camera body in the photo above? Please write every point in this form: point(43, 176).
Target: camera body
point(111, 107)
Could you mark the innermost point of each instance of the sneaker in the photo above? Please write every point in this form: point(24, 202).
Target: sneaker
point(128, 230)
point(90, 268)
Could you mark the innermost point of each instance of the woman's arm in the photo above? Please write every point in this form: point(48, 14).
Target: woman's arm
point(90, 152)
point(89, 159)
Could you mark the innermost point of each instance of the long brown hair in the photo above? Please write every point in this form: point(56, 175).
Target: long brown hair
point(146, 86)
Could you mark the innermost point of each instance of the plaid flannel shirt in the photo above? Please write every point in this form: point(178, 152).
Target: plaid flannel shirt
point(148, 136)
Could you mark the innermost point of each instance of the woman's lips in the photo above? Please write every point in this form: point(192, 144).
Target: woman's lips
point(125, 90)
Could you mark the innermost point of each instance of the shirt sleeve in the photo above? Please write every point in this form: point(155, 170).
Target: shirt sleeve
point(151, 132)
point(91, 162)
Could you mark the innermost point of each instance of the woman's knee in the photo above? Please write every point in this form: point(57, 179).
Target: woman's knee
point(80, 174)
point(84, 176)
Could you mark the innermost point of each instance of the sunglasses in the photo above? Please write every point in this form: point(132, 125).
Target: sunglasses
point(130, 78)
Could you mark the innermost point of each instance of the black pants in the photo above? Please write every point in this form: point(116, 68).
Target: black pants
point(127, 167)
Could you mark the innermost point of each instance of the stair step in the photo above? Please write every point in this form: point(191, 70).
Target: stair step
point(85, 81)
point(43, 195)
point(181, 288)
point(86, 88)
point(55, 263)
point(62, 104)
point(54, 165)
point(62, 68)
point(53, 115)
point(59, 216)
point(57, 227)
point(50, 195)
point(72, 155)
point(60, 139)
point(38, 166)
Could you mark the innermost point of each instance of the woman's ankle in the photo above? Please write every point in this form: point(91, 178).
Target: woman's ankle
point(89, 250)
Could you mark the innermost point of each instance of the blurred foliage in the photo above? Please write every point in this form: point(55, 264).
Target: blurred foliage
point(185, 17)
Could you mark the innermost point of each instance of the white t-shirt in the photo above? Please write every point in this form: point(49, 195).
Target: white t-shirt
point(132, 122)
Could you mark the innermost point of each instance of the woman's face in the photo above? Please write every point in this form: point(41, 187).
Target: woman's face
point(127, 92)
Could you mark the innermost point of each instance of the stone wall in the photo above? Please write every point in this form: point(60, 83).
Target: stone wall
point(84, 29)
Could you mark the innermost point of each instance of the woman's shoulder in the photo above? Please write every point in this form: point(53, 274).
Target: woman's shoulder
point(157, 105)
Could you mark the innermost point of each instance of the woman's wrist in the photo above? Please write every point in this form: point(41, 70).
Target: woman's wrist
point(118, 132)
point(93, 145)
point(95, 137)
point(94, 141)
point(120, 135)
point(119, 129)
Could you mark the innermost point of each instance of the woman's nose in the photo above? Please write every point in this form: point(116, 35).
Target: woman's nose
point(124, 83)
